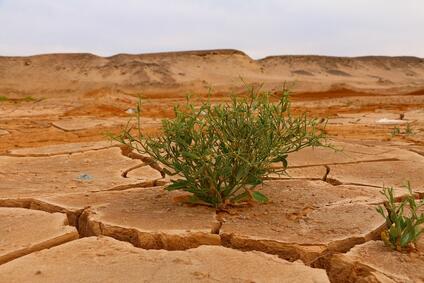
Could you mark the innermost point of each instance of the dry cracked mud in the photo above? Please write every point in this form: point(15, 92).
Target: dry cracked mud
point(316, 216)
point(395, 174)
point(149, 218)
point(75, 207)
point(24, 231)
point(310, 218)
point(26, 177)
point(374, 262)
point(83, 123)
point(304, 220)
point(106, 260)
point(60, 149)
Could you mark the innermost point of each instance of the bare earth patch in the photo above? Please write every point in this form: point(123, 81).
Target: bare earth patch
point(149, 218)
point(26, 177)
point(106, 260)
point(59, 149)
point(25, 231)
point(305, 220)
point(374, 262)
point(377, 174)
point(83, 123)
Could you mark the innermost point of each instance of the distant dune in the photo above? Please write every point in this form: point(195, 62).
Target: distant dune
point(176, 73)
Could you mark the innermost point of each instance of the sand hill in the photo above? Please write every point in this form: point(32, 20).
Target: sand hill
point(179, 72)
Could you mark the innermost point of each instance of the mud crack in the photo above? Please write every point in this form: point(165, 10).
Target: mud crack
point(347, 163)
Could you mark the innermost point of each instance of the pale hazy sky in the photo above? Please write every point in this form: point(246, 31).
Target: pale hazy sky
point(260, 28)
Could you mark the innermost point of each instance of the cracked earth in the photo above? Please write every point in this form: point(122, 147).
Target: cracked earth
point(77, 207)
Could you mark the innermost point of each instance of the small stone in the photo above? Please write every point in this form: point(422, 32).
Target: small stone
point(130, 111)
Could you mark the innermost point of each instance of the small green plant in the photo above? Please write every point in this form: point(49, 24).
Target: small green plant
point(17, 100)
point(29, 99)
point(402, 227)
point(408, 130)
point(395, 131)
point(223, 152)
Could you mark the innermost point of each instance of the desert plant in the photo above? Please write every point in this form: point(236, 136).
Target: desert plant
point(395, 131)
point(16, 100)
point(222, 152)
point(29, 99)
point(409, 130)
point(403, 223)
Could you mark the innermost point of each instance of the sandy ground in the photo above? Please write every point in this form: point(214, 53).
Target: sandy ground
point(62, 185)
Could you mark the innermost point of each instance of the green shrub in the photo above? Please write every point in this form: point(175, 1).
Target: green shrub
point(223, 152)
point(408, 131)
point(402, 227)
point(395, 131)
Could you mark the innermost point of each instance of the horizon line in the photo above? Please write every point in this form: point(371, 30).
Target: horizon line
point(209, 51)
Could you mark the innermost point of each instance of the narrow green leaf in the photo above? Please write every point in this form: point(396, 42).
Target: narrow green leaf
point(240, 197)
point(190, 155)
point(259, 197)
point(393, 232)
point(406, 238)
point(254, 180)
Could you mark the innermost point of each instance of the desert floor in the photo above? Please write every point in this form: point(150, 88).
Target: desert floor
point(73, 208)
